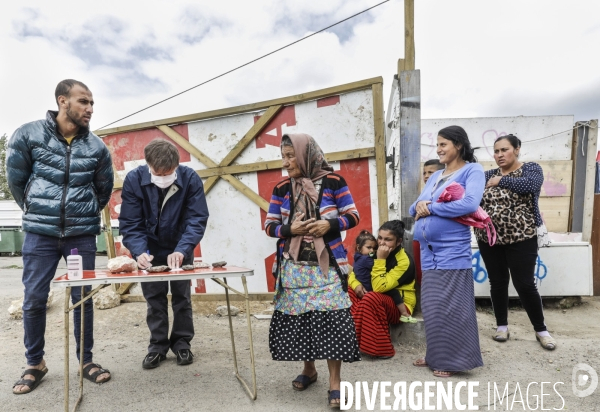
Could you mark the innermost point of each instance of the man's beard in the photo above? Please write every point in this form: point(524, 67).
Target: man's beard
point(78, 120)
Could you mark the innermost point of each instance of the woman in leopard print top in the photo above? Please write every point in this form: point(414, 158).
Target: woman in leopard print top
point(511, 199)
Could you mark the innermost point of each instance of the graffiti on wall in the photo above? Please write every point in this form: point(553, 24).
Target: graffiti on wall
point(480, 273)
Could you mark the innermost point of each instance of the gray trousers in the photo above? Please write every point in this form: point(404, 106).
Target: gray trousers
point(157, 316)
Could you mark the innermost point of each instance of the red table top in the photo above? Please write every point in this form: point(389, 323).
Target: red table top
point(103, 276)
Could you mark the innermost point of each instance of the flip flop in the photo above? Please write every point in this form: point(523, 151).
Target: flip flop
point(305, 381)
point(443, 374)
point(38, 374)
point(420, 363)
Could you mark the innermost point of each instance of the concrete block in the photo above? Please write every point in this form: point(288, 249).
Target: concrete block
point(222, 311)
point(409, 334)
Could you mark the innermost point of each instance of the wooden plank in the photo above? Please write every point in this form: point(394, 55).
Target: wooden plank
point(194, 151)
point(108, 234)
point(276, 164)
point(590, 179)
point(272, 164)
point(555, 211)
point(380, 166)
point(254, 131)
point(187, 146)
point(595, 242)
point(574, 159)
point(298, 98)
point(401, 65)
point(409, 34)
point(249, 193)
point(208, 297)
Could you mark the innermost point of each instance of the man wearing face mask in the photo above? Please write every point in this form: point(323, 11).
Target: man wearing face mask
point(163, 217)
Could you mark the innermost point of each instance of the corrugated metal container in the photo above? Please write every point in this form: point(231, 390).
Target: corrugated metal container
point(10, 214)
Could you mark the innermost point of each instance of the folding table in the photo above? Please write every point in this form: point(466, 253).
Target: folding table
point(103, 278)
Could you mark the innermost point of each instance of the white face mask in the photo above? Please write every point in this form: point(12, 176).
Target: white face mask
point(163, 181)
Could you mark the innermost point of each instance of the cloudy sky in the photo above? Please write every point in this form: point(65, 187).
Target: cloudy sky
point(477, 58)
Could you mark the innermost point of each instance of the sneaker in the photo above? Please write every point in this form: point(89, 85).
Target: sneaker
point(184, 357)
point(153, 360)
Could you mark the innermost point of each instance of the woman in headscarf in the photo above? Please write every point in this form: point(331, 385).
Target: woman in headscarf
point(447, 290)
point(511, 199)
point(308, 210)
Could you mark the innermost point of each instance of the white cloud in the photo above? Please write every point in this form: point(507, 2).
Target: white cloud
point(476, 58)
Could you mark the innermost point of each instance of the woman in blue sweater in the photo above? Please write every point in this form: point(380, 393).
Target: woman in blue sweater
point(447, 291)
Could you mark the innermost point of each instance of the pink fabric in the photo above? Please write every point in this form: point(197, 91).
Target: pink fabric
point(479, 219)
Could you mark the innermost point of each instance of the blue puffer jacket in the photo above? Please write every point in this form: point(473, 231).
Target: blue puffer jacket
point(182, 220)
point(61, 188)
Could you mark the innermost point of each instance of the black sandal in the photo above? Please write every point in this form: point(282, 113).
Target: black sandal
point(38, 374)
point(305, 381)
point(92, 376)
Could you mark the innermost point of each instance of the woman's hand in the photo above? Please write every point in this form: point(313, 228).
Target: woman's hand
point(383, 252)
point(318, 228)
point(299, 227)
point(422, 209)
point(493, 182)
point(360, 291)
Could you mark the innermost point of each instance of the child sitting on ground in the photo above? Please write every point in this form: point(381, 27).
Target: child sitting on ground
point(366, 246)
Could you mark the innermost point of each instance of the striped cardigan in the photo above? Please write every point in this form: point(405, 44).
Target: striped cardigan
point(335, 205)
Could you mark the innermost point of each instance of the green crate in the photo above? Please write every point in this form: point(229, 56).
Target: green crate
point(101, 241)
point(10, 241)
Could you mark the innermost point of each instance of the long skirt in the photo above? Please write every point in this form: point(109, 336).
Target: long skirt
point(312, 317)
point(448, 305)
point(372, 316)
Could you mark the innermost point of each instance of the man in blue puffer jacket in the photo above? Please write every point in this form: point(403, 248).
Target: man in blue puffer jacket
point(163, 218)
point(61, 176)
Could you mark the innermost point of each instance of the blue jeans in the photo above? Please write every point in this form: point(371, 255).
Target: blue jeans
point(41, 255)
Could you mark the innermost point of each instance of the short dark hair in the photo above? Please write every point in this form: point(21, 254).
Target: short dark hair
point(363, 237)
point(396, 227)
point(161, 155)
point(458, 137)
point(434, 162)
point(512, 139)
point(64, 88)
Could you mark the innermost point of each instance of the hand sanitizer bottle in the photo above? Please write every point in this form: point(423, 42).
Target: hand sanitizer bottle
point(74, 265)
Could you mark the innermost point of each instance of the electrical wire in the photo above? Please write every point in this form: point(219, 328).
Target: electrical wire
point(245, 64)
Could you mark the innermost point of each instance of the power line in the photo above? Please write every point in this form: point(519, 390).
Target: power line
point(245, 64)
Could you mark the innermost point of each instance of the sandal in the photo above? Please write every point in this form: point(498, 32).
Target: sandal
point(547, 342)
point(332, 396)
point(38, 374)
point(443, 374)
point(305, 381)
point(421, 363)
point(408, 319)
point(92, 376)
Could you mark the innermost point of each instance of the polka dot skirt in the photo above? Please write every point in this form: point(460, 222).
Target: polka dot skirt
point(313, 335)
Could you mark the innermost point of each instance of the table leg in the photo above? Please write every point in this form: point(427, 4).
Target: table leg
point(81, 340)
point(66, 372)
point(250, 341)
point(224, 284)
point(231, 328)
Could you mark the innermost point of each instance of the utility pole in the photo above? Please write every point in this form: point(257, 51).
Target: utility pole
point(409, 86)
